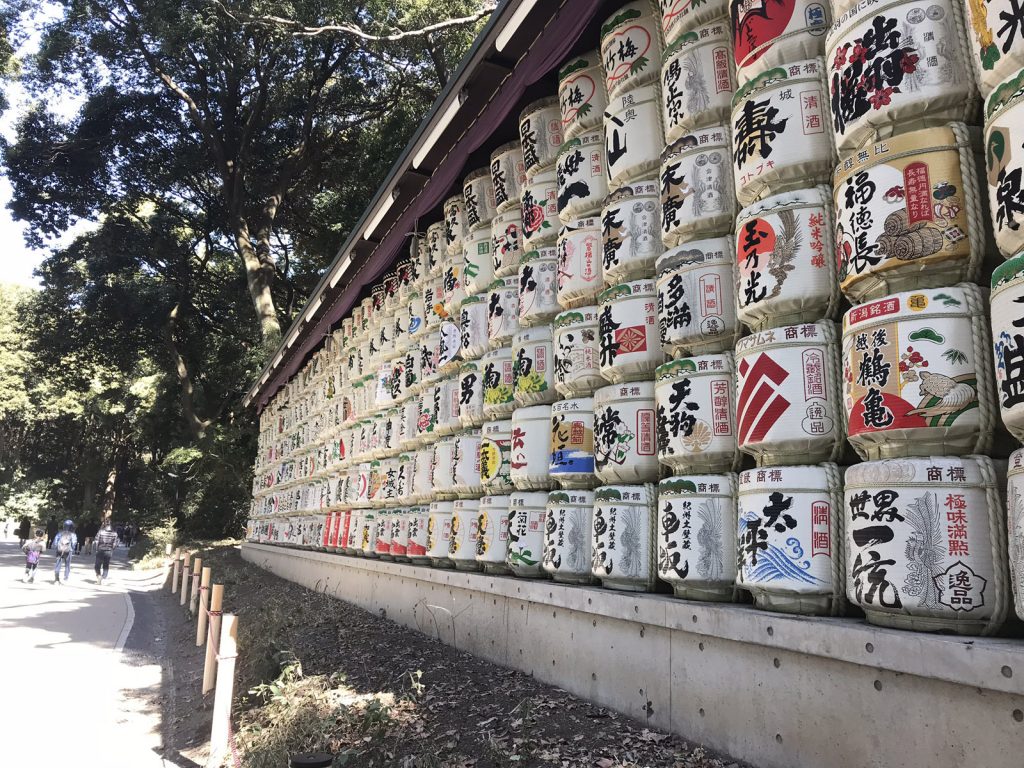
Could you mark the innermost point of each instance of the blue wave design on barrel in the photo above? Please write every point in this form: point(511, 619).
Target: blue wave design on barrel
point(773, 564)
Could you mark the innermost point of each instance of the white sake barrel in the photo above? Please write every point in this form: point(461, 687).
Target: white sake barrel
point(789, 535)
point(410, 436)
point(567, 530)
point(392, 431)
point(577, 352)
point(377, 490)
point(787, 393)
point(526, 533)
point(499, 396)
point(625, 433)
point(419, 251)
point(679, 16)
point(465, 530)
point(540, 210)
point(540, 135)
point(454, 292)
point(366, 317)
point(430, 350)
point(696, 414)
point(377, 301)
point(400, 329)
point(785, 271)
point(1008, 340)
point(925, 544)
point(400, 535)
point(774, 35)
point(417, 314)
point(416, 548)
point(508, 174)
point(433, 302)
point(466, 464)
point(629, 338)
point(993, 27)
point(633, 136)
point(624, 537)
point(896, 67)
point(581, 94)
point(439, 534)
point(368, 521)
point(507, 241)
point(362, 495)
point(347, 329)
point(408, 274)
point(492, 533)
point(390, 282)
point(495, 456)
point(354, 539)
point(582, 176)
point(456, 225)
point(533, 366)
point(697, 536)
point(382, 546)
point(538, 287)
point(478, 192)
point(908, 214)
point(631, 232)
point(530, 457)
point(502, 311)
point(436, 249)
point(780, 134)
point(473, 327)
point(631, 47)
point(1015, 527)
point(696, 305)
point(449, 349)
point(913, 381)
point(430, 405)
point(422, 485)
point(572, 443)
point(471, 395)
point(478, 252)
point(697, 76)
point(697, 196)
point(405, 479)
point(579, 262)
point(1004, 140)
point(448, 405)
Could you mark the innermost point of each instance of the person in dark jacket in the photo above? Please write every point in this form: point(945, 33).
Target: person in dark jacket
point(51, 531)
point(24, 531)
point(106, 540)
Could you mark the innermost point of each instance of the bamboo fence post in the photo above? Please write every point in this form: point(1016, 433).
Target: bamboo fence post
point(184, 578)
point(204, 606)
point(177, 571)
point(193, 598)
point(221, 728)
point(212, 634)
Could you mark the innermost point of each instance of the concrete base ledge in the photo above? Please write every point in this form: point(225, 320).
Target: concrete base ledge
point(778, 690)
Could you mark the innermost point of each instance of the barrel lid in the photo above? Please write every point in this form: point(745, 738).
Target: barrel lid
point(1009, 270)
point(579, 63)
point(538, 254)
point(539, 104)
point(565, 496)
point(575, 316)
point(510, 146)
point(1007, 92)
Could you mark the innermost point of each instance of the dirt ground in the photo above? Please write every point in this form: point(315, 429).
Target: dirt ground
point(317, 674)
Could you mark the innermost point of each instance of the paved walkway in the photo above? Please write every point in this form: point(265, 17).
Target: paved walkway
point(71, 694)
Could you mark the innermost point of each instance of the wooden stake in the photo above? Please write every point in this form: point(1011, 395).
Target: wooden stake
point(204, 606)
point(177, 571)
point(225, 690)
point(212, 633)
point(193, 599)
point(184, 578)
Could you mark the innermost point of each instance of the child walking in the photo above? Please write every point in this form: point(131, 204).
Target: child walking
point(33, 550)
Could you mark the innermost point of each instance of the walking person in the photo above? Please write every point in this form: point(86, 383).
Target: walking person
point(51, 531)
point(106, 540)
point(65, 543)
point(33, 551)
point(24, 531)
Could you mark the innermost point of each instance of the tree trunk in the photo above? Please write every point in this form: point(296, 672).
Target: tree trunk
point(196, 425)
point(259, 277)
point(110, 489)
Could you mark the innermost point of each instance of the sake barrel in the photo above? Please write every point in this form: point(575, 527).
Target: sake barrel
point(908, 214)
point(502, 311)
point(430, 349)
point(572, 443)
point(449, 348)
point(532, 366)
point(495, 456)
point(478, 192)
point(790, 525)
point(508, 174)
point(400, 329)
point(696, 186)
point(916, 375)
point(392, 430)
point(439, 533)
point(992, 28)
point(465, 530)
point(473, 340)
point(538, 287)
point(581, 94)
point(540, 135)
point(696, 414)
point(625, 433)
point(1015, 526)
point(454, 291)
point(405, 478)
point(418, 314)
point(410, 437)
point(353, 544)
point(362, 495)
point(413, 370)
point(366, 317)
point(436, 249)
point(577, 352)
point(408, 274)
point(357, 324)
point(466, 466)
point(390, 282)
point(631, 47)
point(581, 173)
point(382, 546)
point(633, 136)
point(471, 395)
point(400, 535)
point(1008, 340)
point(526, 533)
point(499, 396)
point(1004, 161)
point(630, 342)
point(767, 36)
point(456, 224)
point(368, 520)
point(540, 210)
point(418, 524)
point(448, 405)
point(579, 262)
point(696, 305)
point(430, 405)
point(780, 135)
point(926, 546)
point(631, 232)
point(433, 302)
point(377, 303)
point(697, 76)
point(478, 251)
point(492, 534)
point(422, 484)
point(785, 273)
point(624, 537)
point(787, 393)
point(529, 460)
point(896, 67)
point(567, 530)
point(376, 492)
point(419, 249)
point(507, 241)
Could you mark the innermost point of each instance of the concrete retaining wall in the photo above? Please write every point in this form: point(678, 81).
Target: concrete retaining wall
point(776, 690)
